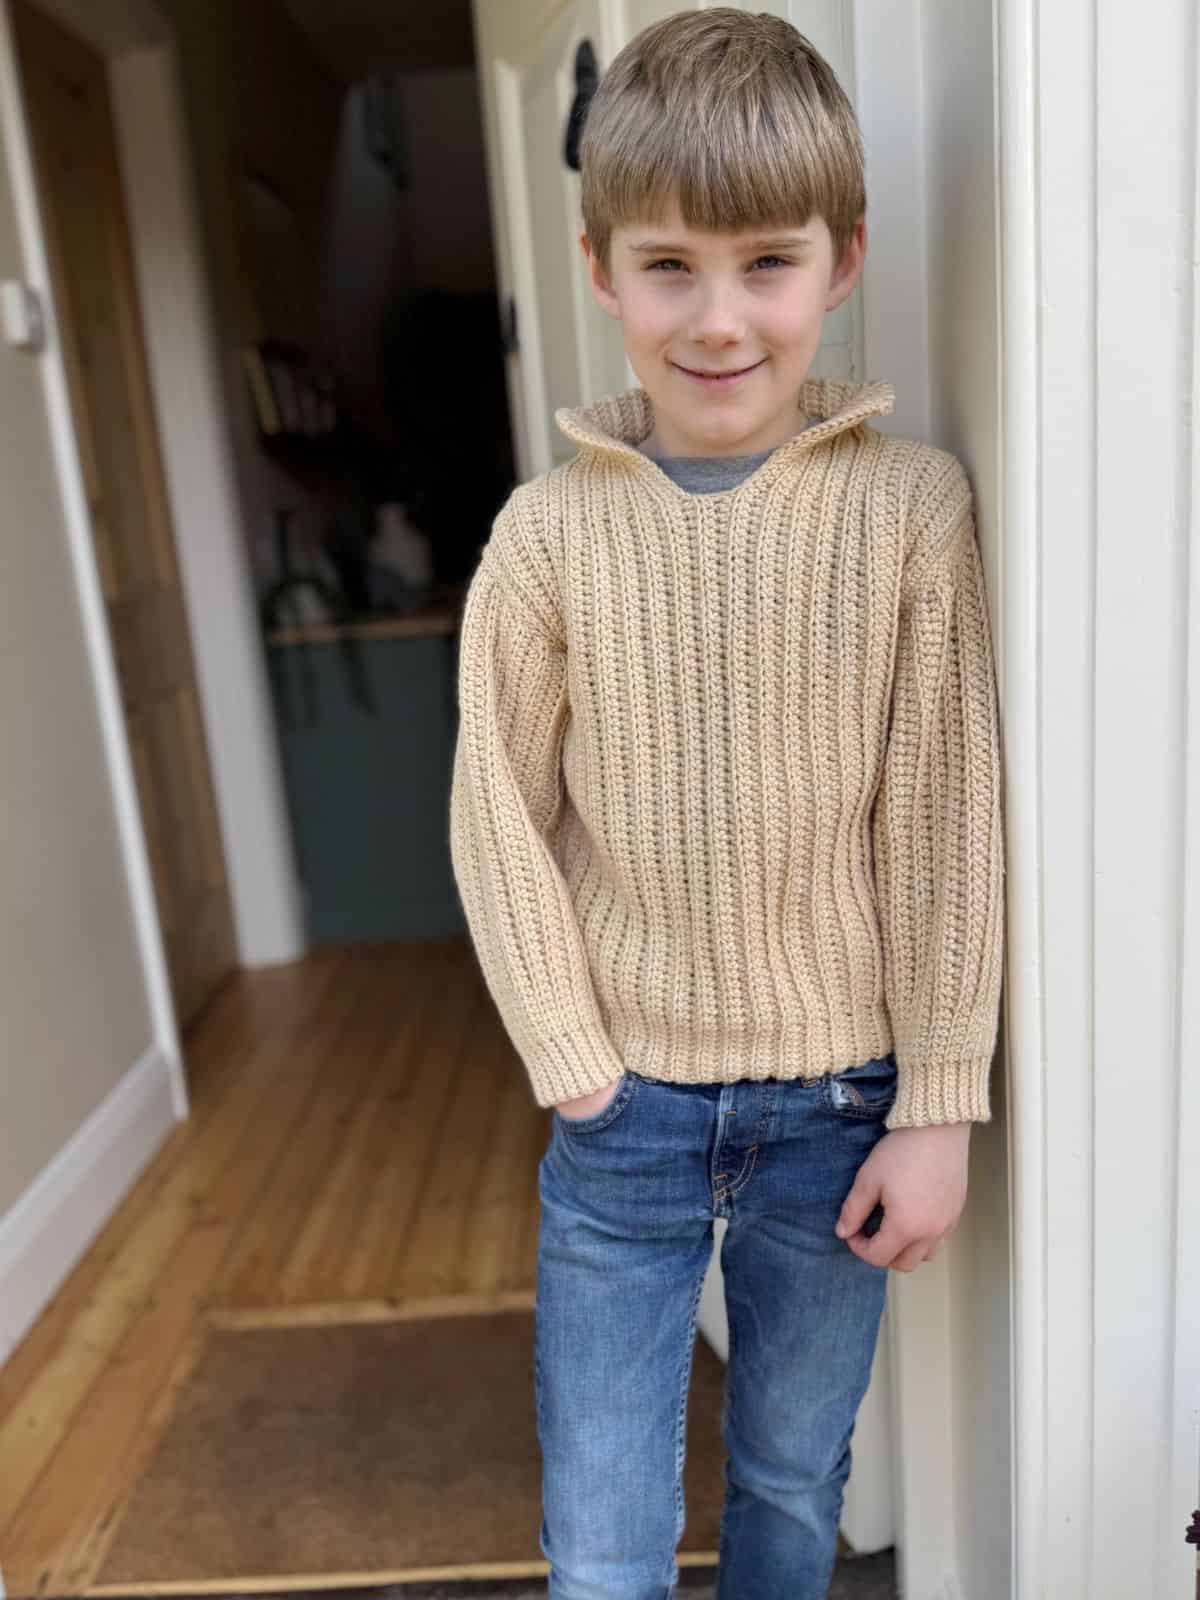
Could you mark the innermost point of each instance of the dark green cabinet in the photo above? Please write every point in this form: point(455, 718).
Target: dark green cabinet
point(367, 726)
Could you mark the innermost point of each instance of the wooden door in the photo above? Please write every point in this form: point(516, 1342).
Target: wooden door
point(67, 102)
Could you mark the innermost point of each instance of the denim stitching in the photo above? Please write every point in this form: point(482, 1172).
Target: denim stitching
point(743, 1177)
point(727, 1434)
point(769, 1092)
point(681, 1411)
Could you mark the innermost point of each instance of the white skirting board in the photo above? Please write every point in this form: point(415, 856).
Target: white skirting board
point(46, 1232)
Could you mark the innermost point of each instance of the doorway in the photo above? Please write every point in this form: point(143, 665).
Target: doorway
point(88, 242)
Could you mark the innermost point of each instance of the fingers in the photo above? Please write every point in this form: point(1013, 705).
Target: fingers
point(856, 1207)
point(889, 1249)
point(882, 1249)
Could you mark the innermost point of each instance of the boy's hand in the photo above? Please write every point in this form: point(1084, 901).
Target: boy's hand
point(919, 1176)
point(589, 1105)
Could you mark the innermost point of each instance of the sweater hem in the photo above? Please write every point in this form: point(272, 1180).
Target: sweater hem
point(580, 1066)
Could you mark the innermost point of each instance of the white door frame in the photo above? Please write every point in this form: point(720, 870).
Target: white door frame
point(1100, 316)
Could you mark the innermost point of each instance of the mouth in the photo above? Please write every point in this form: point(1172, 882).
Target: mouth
point(721, 379)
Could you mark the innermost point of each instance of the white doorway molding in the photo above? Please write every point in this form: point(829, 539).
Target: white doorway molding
point(1101, 487)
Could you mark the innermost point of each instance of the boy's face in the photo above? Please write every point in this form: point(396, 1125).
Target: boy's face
point(691, 301)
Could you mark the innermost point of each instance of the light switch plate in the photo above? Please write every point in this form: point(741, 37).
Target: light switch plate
point(21, 315)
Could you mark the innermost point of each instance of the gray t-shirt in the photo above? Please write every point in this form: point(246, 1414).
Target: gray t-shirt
point(711, 474)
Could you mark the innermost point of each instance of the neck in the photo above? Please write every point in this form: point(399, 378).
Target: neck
point(652, 444)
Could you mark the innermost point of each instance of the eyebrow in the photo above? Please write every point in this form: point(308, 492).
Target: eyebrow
point(791, 241)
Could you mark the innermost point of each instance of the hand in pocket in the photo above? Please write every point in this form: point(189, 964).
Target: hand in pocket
point(589, 1105)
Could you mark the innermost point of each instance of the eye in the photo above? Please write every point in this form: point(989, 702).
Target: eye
point(672, 261)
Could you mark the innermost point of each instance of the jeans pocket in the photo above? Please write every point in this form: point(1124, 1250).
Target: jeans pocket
point(863, 1092)
point(603, 1117)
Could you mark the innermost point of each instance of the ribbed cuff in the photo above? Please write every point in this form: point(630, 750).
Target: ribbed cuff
point(566, 1069)
point(926, 1097)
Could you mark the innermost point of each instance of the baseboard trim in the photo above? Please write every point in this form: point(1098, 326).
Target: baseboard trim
point(46, 1232)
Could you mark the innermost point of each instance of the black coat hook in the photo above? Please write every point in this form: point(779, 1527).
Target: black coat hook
point(587, 76)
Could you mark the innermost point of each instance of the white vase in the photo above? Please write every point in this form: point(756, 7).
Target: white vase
point(401, 548)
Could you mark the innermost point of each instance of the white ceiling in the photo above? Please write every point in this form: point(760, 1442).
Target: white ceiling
point(355, 37)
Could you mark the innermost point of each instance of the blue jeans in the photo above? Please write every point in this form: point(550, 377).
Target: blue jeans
point(628, 1198)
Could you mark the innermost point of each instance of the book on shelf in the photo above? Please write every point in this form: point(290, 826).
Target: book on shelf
point(263, 394)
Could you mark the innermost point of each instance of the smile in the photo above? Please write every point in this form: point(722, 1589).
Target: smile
point(719, 380)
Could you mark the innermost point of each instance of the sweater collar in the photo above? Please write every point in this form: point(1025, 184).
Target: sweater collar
point(617, 424)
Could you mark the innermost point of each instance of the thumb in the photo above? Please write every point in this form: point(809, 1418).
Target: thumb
point(856, 1207)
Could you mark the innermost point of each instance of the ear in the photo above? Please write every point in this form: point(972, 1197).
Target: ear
point(849, 269)
point(599, 280)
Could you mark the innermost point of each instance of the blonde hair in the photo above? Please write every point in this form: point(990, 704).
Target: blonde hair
point(735, 115)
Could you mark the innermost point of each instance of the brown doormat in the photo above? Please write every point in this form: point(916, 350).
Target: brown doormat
point(367, 1452)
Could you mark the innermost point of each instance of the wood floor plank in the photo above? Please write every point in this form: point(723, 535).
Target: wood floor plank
point(252, 1005)
point(372, 1137)
point(491, 1225)
point(396, 1194)
point(251, 1274)
point(428, 1254)
point(523, 1254)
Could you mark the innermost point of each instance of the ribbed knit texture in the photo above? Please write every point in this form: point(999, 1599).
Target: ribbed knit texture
point(726, 799)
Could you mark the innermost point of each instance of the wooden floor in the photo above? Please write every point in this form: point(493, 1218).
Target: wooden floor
point(361, 1131)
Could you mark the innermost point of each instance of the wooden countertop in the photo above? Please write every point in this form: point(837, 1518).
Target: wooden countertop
point(440, 614)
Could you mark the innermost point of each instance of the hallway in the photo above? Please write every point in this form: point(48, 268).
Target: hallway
point(361, 1132)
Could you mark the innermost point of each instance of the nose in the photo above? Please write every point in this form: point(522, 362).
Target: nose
point(717, 320)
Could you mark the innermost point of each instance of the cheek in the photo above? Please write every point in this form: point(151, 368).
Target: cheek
point(649, 316)
point(797, 319)
point(791, 338)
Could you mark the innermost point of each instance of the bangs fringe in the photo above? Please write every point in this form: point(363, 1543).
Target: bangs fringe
point(733, 116)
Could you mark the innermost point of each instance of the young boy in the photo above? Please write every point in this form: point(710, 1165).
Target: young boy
point(726, 824)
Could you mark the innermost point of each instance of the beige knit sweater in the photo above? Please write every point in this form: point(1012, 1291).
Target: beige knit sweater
point(726, 799)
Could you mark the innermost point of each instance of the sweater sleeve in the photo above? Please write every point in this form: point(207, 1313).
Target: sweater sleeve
point(506, 791)
point(937, 827)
